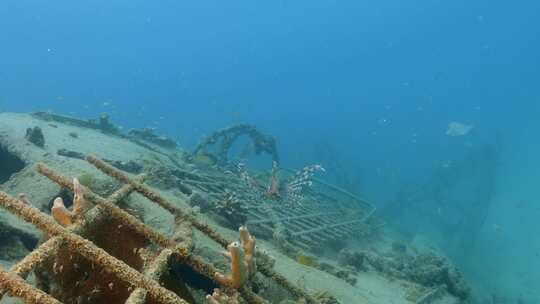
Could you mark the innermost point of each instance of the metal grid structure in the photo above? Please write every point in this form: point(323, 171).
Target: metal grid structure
point(327, 213)
point(145, 282)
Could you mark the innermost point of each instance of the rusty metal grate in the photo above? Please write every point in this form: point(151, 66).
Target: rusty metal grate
point(139, 283)
point(329, 213)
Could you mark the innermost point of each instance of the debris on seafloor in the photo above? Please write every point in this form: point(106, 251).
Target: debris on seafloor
point(70, 153)
point(35, 136)
point(129, 166)
point(296, 239)
point(104, 125)
point(148, 134)
point(224, 138)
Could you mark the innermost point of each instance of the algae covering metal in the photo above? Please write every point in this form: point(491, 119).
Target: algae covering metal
point(110, 253)
point(327, 213)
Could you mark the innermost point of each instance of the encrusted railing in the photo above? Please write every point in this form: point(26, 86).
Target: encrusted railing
point(140, 282)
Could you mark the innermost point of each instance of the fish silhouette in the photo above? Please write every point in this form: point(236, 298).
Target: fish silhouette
point(458, 129)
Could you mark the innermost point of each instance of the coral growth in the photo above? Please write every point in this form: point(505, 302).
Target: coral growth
point(65, 217)
point(88, 180)
point(307, 260)
point(108, 263)
point(325, 297)
point(80, 205)
point(426, 269)
point(97, 256)
point(60, 213)
point(239, 271)
point(16, 286)
point(248, 244)
point(219, 297)
point(242, 256)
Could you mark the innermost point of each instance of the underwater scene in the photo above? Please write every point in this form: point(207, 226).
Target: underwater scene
point(288, 152)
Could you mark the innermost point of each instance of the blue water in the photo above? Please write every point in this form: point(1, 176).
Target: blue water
point(376, 83)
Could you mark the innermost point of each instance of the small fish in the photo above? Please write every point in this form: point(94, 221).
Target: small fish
point(458, 129)
point(497, 228)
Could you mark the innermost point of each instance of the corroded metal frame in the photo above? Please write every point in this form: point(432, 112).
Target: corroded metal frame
point(177, 249)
